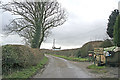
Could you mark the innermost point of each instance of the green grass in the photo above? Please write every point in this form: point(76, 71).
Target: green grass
point(73, 59)
point(95, 67)
point(28, 72)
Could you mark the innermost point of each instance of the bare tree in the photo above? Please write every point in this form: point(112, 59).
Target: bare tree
point(36, 19)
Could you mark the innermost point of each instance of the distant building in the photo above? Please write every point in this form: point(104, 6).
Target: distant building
point(55, 48)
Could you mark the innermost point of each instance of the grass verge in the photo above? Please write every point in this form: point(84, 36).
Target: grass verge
point(28, 72)
point(72, 58)
point(95, 67)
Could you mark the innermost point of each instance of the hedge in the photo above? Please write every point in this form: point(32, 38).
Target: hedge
point(16, 57)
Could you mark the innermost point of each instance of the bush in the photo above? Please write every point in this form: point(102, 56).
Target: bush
point(28, 72)
point(89, 47)
point(117, 32)
point(78, 54)
point(16, 57)
point(85, 49)
point(106, 43)
point(114, 60)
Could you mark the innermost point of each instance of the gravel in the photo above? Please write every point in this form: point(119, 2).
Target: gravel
point(108, 72)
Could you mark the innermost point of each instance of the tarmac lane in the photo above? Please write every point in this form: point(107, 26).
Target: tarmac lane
point(61, 68)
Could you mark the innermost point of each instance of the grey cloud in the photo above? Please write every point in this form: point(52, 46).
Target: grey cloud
point(78, 35)
point(77, 30)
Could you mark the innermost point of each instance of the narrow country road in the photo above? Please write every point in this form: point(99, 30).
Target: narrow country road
point(61, 68)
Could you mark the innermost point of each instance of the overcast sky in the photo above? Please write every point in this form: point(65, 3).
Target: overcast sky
point(87, 21)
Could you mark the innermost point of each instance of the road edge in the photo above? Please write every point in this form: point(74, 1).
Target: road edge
point(41, 70)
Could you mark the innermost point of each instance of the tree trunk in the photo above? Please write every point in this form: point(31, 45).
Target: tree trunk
point(36, 39)
point(41, 39)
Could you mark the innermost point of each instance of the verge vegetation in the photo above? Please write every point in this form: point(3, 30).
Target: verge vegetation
point(28, 72)
point(19, 61)
point(95, 67)
point(78, 52)
point(73, 59)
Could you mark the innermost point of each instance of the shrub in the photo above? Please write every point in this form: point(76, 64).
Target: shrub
point(15, 57)
point(78, 54)
point(117, 32)
point(85, 49)
point(106, 43)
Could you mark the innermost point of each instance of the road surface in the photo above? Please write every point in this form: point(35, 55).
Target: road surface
point(61, 68)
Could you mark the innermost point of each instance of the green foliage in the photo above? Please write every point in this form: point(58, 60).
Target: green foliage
point(17, 57)
point(106, 43)
point(84, 50)
point(111, 22)
point(117, 32)
point(114, 60)
point(68, 52)
point(95, 67)
point(89, 47)
point(78, 54)
point(28, 72)
point(73, 59)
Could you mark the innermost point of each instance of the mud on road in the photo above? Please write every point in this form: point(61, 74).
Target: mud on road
point(61, 68)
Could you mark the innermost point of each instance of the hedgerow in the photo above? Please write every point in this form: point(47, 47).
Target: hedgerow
point(17, 57)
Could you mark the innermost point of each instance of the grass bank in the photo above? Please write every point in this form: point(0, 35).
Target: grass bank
point(97, 69)
point(28, 72)
point(72, 58)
